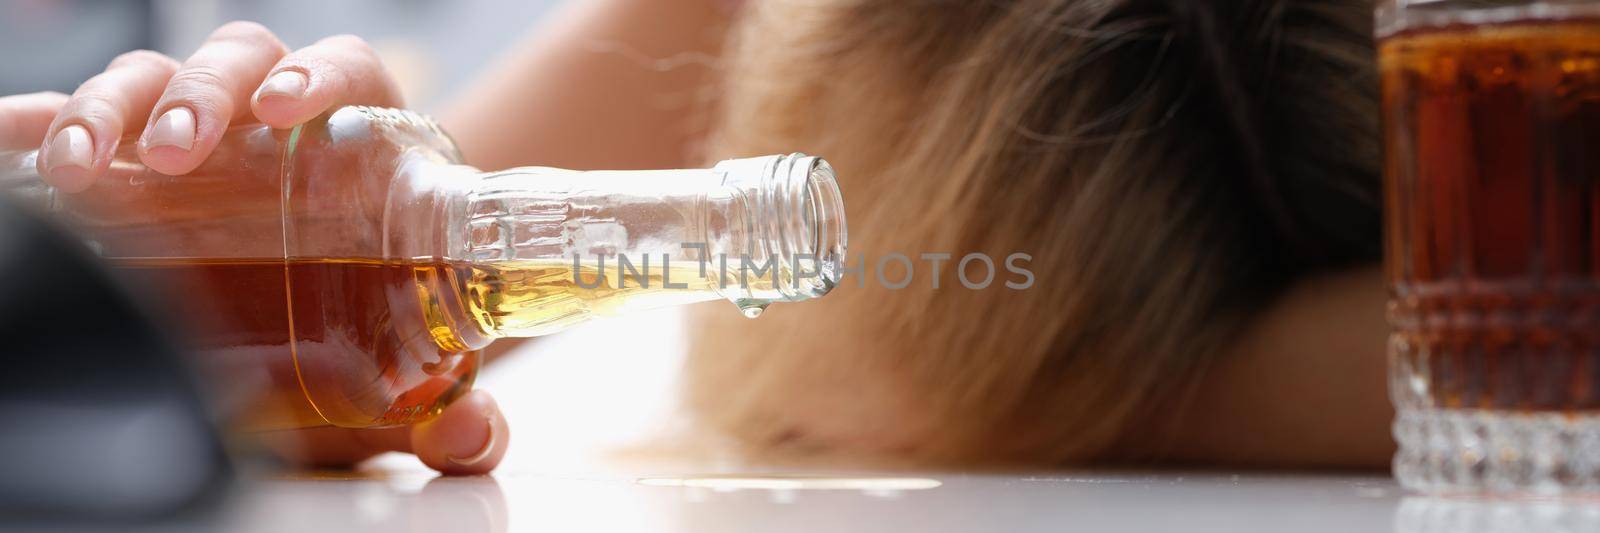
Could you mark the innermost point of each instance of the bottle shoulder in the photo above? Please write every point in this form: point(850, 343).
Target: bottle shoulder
point(376, 132)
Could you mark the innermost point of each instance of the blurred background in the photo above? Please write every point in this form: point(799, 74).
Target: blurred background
point(433, 47)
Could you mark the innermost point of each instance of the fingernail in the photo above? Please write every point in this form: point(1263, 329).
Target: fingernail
point(286, 84)
point(72, 147)
point(485, 451)
point(175, 128)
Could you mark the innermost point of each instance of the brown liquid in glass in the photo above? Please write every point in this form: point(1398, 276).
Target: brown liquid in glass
point(1493, 219)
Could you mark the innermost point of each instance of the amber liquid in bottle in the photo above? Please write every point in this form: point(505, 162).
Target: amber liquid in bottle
point(243, 317)
point(1493, 138)
point(236, 313)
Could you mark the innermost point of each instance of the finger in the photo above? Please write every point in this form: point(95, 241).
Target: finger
point(469, 437)
point(25, 118)
point(340, 70)
point(333, 447)
point(206, 94)
point(83, 136)
point(322, 447)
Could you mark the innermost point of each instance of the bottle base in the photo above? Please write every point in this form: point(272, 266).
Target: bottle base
point(1503, 452)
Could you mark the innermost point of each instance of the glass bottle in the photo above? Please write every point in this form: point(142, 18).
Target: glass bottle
point(347, 271)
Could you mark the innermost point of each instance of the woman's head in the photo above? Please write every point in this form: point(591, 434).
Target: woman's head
point(1168, 165)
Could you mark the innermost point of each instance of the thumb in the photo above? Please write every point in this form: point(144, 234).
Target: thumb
point(468, 438)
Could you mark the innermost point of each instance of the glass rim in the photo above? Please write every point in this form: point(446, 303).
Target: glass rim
point(1392, 17)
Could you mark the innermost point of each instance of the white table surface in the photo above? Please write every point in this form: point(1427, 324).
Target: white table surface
point(933, 502)
point(575, 399)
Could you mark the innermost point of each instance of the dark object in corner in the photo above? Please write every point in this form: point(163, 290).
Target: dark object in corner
point(102, 424)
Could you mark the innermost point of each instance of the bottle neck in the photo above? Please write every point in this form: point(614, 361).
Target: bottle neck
point(547, 248)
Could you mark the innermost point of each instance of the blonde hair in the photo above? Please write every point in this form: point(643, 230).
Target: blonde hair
point(1169, 165)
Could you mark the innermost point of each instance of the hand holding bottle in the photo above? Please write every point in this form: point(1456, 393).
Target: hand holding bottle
point(241, 74)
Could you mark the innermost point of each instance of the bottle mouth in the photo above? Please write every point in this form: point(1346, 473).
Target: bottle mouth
point(794, 222)
point(821, 239)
